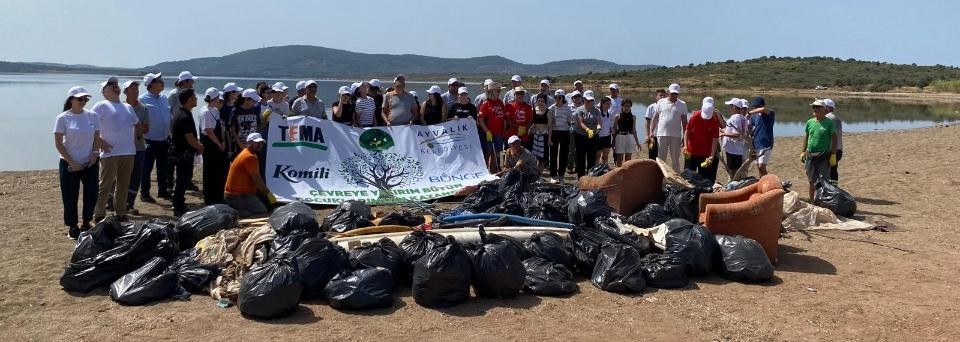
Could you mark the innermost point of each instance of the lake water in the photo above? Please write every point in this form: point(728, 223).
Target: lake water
point(26, 137)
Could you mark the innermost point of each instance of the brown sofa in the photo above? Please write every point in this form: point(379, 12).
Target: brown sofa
point(629, 187)
point(754, 212)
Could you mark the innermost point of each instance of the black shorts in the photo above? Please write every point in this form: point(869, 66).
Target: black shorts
point(605, 142)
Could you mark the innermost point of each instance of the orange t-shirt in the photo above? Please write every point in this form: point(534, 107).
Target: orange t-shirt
point(240, 178)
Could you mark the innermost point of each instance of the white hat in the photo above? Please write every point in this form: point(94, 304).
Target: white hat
point(413, 92)
point(559, 92)
point(706, 111)
point(487, 82)
point(817, 103)
point(708, 100)
point(733, 102)
point(375, 83)
point(452, 81)
point(255, 137)
point(575, 93)
point(344, 90)
point(614, 86)
point(212, 93)
point(674, 88)
point(310, 83)
point(462, 90)
point(231, 87)
point(108, 81)
point(516, 78)
point(251, 94)
point(744, 103)
point(129, 83)
point(148, 78)
point(78, 91)
point(280, 87)
point(354, 86)
point(185, 75)
point(577, 82)
point(513, 139)
point(301, 85)
point(519, 89)
point(433, 90)
point(829, 103)
point(588, 96)
point(588, 93)
point(399, 76)
point(545, 81)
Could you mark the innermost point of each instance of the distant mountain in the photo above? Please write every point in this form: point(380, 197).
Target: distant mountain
point(302, 60)
point(54, 68)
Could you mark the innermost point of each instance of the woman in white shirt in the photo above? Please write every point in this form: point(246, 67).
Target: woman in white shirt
point(77, 137)
point(605, 141)
point(366, 106)
point(559, 115)
point(213, 136)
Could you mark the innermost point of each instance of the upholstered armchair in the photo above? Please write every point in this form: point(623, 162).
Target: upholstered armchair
point(754, 211)
point(629, 187)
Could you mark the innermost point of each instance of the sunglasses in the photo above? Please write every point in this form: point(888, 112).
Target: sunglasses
point(816, 107)
point(81, 99)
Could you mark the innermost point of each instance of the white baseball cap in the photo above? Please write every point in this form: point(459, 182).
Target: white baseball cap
point(545, 81)
point(462, 90)
point(301, 85)
point(344, 90)
point(708, 100)
point(588, 93)
point(212, 93)
point(433, 90)
point(559, 92)
point(733, 102)
point(354, 86)
point(78, 91)
point(129, 83)
point(577, 82)
point(817, 103)
point(575, 93)
point(280, 87)
point(829, 103)
point(108, 81)
point(513, 139)
point(614, 86)
point(148, 78)
point(399, 76)
point(589, 96)
point(375, 83)
point(452, 81)
point(413, 92)
point(516, 78)
point(744, 103)
point(487, 82)
point(674, 88)
point(231, 87)
point(255, 137)
point(310, 83)
point(251, 94)
point(185, 75)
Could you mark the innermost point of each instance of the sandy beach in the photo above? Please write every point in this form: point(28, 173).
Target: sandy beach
point(870, 285)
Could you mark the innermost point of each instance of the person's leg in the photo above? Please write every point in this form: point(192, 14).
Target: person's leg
point(552, 159)
point(172, 162)
point(834, 175)
point(69, 194)
point(763, 158)
point(581, 154)
point(90, 190)
point(653, 153)
point(662, 150)
point(150, 158)
point(572, 154)
point(108, 181)
point(710, 172)
point(563, 151)
point(124, 169)
point(246, 205)
point(184, 174)
point(675, 147)
point(135, 177)
point(734, 162)
point(207, 176)
point(591, 147)
point(693, 163)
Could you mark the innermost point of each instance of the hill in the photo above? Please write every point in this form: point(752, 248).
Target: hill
point(54, 68)
point(302, 60)
point(769, 73)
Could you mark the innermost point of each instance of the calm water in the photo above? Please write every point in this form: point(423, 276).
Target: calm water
point(26, 137)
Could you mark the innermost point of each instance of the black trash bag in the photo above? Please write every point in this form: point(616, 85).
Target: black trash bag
point(198, 224)
point(362, 289)
point(650, 216)
point(697, 180)
point(693, 245)
point(599, 170)
point(744, 259)
point(271, 289)
point(837, 200)
point(509, 206)
point(97, 240)
point(740, 184)
point(586, 247)
point(402, 219)
point(441, 278)
point(606, 225)
point(150, 282)
point(139, 243)
point(546, 278)
point(664, 271)
point(551, 246)
point(498, 270)
point(683, 203)
point(545, 206)
point(618, 269)
point(286, 244)
point(487, 196)
point(587, 206)
point(318, 260)
point(193, 276)
point(418, 244)
point(513, 185)
point(384, 253)
point(294, 216)
point(348, 216)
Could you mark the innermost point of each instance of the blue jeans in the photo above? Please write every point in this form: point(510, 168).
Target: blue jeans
point(156, 153)
point(70, 183)
point(135, 176)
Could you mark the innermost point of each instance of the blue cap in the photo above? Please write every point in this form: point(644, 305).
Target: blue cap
point(757, 101)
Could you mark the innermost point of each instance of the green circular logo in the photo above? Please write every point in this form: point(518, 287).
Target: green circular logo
point(376, 140)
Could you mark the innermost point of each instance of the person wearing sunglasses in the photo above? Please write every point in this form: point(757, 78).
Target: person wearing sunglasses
point(559, 115)
point(117, 122)
point(309, 105)
point(344, 110)
point(76, 133)
point(588, 122)
point(158, 147)
point(365, 106)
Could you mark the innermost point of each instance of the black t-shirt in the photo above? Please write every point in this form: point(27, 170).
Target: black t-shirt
point(433, 113)
point(463, 111)
point(245, 121)
point(378, 110)
point(349, 110)
point(183, 124)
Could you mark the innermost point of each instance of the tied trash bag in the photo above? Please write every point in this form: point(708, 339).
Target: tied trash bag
point(198, 224)
point(837, 200)
point(348, 216)
point(587, 206)
point(363, 289)
point(586, 247)
point(509, 206)
point(96, 240)
point(618, 269)
point(512, 185)
point(663, 271)
point(384, 253)
point(545, 206)
point(650, 216)
point(498, 270)
point(418, 243)
point(546, 278)
point(441, 278)
point(294, 216)
point(271, 289)
point(402, 219)
point(318, 260)
point(487, 196)
point(683, 203)
point(150, 282)
point(551, 246)
point(193, 276)
point(744, 260)
point(599, 170)
point(286, 244)
point(609, 227)
point(692, 244)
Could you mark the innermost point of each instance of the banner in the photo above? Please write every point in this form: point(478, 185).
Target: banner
point(324, 162)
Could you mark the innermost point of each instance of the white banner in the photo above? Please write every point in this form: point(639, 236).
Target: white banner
point(324, 162)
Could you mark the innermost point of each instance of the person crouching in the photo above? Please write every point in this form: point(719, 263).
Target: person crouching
point(244, 183)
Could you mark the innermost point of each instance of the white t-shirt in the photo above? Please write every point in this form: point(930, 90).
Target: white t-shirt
point(78, 131)
point(670, 123)
point(838, 123)
point(116, 127)
point(735, 124)
point(208, 118)
point(606, 123)
point(616, 105)
point(651, 109)
point(282, 107)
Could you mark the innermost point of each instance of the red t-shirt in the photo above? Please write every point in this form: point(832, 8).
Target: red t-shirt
point(701, 132)
point(521, 114)
point(493, 113)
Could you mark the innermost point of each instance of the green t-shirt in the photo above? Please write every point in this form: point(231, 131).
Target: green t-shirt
point(819, 135)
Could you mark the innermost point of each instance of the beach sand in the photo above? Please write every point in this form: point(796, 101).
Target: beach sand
point(829, 285)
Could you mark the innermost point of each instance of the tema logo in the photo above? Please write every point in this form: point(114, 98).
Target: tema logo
point(376, 140)
point(301, 135)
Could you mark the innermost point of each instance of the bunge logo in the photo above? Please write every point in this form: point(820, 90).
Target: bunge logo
point(301, 135)
point(295, 176)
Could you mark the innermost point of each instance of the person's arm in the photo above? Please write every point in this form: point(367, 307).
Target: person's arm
point(550, 118)
point(616, 126)
point(423, 113)
point(443, 111)
point(633, 130)
point(356, 115)
point(253, 170)
point(192, 140)
point(385, 109)
point(803, 151)
point(415, 113)
point(338, 109)
point(71, 164)
point(652, 124)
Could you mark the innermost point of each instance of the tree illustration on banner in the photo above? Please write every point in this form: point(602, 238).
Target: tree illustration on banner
point(383, 171)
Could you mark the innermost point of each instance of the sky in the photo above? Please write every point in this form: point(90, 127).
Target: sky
point(138, 33)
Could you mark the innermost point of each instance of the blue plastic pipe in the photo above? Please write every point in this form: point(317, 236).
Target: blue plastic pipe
point(511, 218)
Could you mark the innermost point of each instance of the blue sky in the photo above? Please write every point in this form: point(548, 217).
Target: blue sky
point(136, 33)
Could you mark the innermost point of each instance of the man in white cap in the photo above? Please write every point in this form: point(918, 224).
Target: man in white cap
point(652, 109)
point(131, 89)
point(701, 139)
point(246, 117)
point(545, 91)
point(668, 124)
point(515, 81)
point(517, 157)
point(117, 121)
point(301, 90)
point(615, 100)
point(158, 146)
point(244, 183)
point(577, 88)
point(734, 134)
point(278, 104)
point(838, 124)
point(819, 146)
point(487, 83)
point(450, 96)
point(309, 104)
point(185, 80)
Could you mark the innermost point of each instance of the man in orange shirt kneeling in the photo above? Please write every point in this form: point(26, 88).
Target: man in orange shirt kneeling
point(244, 182)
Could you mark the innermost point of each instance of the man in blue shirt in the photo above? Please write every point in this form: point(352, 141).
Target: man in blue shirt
point(761, 122)
point(158, 113)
